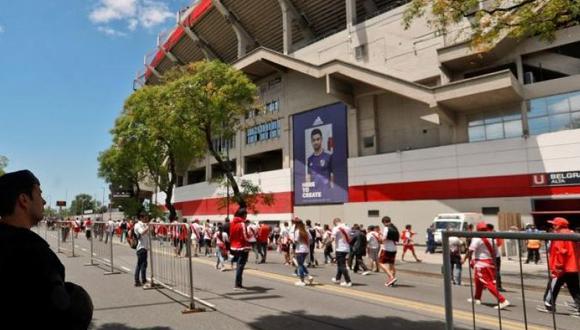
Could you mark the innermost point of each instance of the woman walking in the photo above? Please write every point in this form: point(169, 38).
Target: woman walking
point(302, 239)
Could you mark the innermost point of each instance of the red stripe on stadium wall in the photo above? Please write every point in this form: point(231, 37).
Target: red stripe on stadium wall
point(483, 187)
point(486, 187)
point(282, 204)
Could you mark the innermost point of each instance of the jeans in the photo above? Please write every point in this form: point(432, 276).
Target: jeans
point(312, 260)
point(263, 250)
point(456, 269)
point(359, 263)
point(328, 253)
point(220, 258)
point(241, 257)
point(430, 246)
point(141, 266)
point(341, 266)
point(302, 270)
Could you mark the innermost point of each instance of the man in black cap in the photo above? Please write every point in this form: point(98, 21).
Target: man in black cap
point(35, 294)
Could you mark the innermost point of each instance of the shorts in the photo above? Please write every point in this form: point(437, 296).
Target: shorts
point(387, 257)
point(408, 247)
point(285, 248)
point(374, 254)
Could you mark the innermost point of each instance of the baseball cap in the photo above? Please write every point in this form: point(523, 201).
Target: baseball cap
point(481, 226)
point(559, 222)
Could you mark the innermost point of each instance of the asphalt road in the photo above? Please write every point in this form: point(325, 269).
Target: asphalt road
point(273, 302)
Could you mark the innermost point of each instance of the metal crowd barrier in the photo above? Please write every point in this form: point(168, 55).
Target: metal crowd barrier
point(101, 245)
point(65, 242)
point(170, 264)
point(513, 236)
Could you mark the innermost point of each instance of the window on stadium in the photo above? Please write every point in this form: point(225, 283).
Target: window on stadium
point(494, 126)
point(263, 132)
point(554, 113)
point(220, 145)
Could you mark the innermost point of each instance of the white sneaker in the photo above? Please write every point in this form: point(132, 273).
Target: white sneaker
point(503, 305)
point(477, 301)
point(365, 273)
point(310, 280)
point(346, 284)
point(334, 280)
point(300, 283)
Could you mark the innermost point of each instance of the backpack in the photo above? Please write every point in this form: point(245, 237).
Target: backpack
point(133, 238)
point(393, 233)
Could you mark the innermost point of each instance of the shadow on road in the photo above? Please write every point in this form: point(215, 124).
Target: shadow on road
point(121, 326)
point(302, 320)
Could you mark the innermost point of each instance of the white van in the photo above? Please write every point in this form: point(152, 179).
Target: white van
point(454, 221)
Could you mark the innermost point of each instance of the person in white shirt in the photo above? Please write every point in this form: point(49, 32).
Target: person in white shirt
point(327, 244)
point(483, 252)
point(388, 251)
point(207, 235)
point(340, 235)
point(373, 246)
point(221, 239)
point(196, 237)
point(252, 232)
point(302, 239)
point(141, 229)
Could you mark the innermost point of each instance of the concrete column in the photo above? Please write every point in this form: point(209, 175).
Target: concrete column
point(286, 27)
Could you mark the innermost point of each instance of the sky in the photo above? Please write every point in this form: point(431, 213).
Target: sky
point(66, 68)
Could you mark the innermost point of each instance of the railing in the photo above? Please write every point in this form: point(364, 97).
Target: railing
point(514, 236)
point(100, 236)
point(66, 232)
point(171, 266)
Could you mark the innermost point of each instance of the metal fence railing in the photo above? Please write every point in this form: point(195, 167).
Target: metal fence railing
point(101, 245)
point(517, 238)
point(66, 235)
point(171, 265)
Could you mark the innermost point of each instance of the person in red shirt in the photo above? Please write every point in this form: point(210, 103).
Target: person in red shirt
point(408, 243)
point(564, 257)
point(263, 234)
point(239, 244)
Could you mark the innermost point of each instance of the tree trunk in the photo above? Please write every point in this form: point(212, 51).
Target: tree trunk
point(225, 167)
point(169, 192)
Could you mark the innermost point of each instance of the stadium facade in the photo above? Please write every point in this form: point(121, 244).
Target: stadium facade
point(410, 123)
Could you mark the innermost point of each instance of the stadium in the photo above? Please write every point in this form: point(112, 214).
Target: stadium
point(366, 118)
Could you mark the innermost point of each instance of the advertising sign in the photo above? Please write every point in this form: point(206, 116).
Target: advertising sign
point(556, 178)
point(320, 141)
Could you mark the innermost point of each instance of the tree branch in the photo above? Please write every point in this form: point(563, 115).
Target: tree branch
point(506, 9)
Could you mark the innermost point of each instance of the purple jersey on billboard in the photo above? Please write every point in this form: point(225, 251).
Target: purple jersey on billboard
point(319, 170)
point(320, 155)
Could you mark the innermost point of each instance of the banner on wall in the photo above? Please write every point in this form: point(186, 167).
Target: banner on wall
point(320, 141)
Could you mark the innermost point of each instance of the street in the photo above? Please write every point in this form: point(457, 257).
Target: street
point(272, 300)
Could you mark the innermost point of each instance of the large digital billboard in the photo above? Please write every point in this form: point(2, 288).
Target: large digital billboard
point(320, 141)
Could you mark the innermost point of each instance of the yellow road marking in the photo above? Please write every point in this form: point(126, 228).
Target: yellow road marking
point(404, 303)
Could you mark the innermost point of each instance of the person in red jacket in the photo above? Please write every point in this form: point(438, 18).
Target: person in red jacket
point(239, 244)
point(263, 234)
point(564, 257)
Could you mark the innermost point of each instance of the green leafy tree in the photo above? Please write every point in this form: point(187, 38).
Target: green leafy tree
point(83, 202)
point(252, 194)
point(3, 164)
point(492, 20)
point(154, 126)
point(213, 98)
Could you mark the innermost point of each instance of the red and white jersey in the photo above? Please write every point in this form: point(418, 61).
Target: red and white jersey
point(407, 237)
point(196, 231)
point(252, 232)
point(482, 252)
point(207, 233)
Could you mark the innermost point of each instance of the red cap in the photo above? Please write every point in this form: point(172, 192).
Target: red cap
point(559, 222)
point(481, 226)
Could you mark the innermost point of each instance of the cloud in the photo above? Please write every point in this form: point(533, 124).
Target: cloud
point(111, 32)
point(130, 13)
point(2, 29)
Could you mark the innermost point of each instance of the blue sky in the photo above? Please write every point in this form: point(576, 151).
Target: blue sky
point(66, 68)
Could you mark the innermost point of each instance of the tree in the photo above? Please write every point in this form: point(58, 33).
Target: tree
point(492, 20)
point(213, 98)
point(83, 202)
point(3, 164)
point(154, 128)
